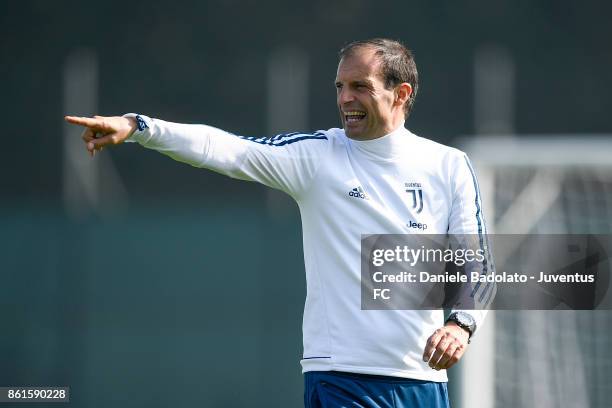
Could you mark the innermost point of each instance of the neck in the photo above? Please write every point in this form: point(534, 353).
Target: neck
point(396, 125)
point(397, 122)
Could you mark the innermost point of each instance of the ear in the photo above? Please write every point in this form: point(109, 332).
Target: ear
point(403, 92)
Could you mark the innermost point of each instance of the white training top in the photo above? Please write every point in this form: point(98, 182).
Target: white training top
point(345, 188)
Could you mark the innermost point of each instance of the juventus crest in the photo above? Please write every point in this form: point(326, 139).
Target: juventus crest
point(416, 190)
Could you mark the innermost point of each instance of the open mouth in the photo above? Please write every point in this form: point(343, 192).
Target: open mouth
point(354, 116)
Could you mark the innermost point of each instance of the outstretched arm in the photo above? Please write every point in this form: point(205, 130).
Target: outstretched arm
point(287, 162)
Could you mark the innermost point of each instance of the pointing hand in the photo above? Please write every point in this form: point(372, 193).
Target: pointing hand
point(102, 131)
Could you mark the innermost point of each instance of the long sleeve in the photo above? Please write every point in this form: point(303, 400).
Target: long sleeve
point(287, 162)
point(467, 229)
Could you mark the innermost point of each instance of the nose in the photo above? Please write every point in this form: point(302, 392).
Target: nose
point(345, 96)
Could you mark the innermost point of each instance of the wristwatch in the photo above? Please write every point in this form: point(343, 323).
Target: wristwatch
point(463, 320)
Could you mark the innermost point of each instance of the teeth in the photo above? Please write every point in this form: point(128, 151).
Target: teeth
point(354, 116)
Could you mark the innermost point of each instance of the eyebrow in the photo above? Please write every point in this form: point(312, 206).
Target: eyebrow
point(359, 82)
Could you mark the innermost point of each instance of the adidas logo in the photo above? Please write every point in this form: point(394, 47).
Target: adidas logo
point(358, 192)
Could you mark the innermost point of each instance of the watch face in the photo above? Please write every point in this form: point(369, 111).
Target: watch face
point(465, 319)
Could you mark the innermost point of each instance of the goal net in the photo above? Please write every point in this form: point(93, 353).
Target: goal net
point(542, 185)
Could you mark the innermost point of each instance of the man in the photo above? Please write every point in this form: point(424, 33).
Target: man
point(352, 357)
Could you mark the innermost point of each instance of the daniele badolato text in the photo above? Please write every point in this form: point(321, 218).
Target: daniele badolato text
point(476, 277)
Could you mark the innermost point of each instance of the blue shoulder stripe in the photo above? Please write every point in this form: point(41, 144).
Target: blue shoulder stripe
point(285, 138)
point(284, 135)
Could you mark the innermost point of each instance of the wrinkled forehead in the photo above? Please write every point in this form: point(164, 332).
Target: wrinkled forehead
point(360, 63)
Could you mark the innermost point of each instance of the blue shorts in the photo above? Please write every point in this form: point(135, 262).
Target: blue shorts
point(334, 389)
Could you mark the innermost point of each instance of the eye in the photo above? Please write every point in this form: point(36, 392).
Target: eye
point(338, 85)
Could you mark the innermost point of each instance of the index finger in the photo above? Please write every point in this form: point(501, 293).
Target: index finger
point(89, 122)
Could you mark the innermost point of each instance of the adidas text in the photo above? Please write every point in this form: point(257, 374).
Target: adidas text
point(358, 192)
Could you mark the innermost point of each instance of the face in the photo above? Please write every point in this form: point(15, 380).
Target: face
point(367, 109)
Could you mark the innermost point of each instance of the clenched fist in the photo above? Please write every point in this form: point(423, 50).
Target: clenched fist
point(446, 346)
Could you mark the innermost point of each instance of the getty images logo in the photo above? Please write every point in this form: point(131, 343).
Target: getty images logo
point(358, 192)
